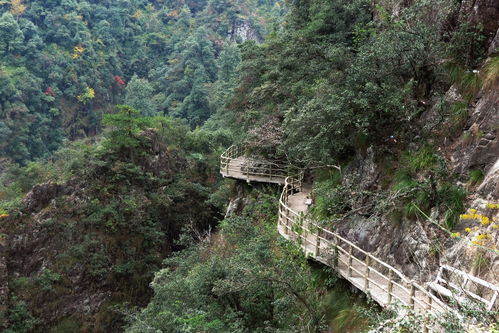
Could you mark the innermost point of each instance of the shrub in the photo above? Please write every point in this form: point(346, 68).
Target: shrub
point(330, 197)
point(466, 46)
point(47, 279)
point(20, 319)
point(421, 160)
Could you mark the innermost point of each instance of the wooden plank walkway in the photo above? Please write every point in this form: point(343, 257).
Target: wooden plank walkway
point(382, 282)
point(234, 164)
point(385, 284)
point(240, 168)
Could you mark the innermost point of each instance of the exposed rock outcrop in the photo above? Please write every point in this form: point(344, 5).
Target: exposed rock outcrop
point(407, 245)
point(242, 31)
point(489, 189)
point(483, 12)
point(494, 44)
point(41, 195)
point(478, 146)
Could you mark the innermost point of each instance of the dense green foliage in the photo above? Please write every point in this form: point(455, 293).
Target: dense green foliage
point(338, 80)
point(65, 63)
point(244, 279)
point(119, 208)
point(120, 109)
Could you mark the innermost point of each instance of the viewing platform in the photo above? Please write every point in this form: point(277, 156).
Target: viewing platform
point(234, 164)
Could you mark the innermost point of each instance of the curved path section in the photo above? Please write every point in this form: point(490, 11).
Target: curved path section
point(385, 284)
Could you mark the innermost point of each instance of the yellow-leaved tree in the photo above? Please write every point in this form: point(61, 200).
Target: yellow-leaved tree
point(17, 8)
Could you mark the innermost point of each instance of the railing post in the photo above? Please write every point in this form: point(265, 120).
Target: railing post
point(318, 242)
point(349, 260)
point(412, 293)
point(428, 308)
point(279, 219)
point(247, 173)
point(270, 171)
point(390, 285)
point(368, 262)
point(304, 229)
point(286, 217)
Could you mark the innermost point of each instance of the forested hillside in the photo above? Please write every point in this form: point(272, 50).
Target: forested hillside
point(113, 116)
point(65, 63)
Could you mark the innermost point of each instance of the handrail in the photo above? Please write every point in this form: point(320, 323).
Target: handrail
point(463, 287)
point(398, 287)
point(248, 167)
point(406, 295)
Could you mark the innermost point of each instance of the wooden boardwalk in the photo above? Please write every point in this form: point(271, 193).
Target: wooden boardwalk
point(385, 284)
point(234, 164)
point(382, 282)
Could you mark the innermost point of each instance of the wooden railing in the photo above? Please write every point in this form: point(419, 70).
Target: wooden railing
point(384, 283)
point(370, 274)
point(234, 163)
point(460, 286)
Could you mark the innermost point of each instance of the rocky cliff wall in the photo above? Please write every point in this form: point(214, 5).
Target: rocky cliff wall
point(418, 247)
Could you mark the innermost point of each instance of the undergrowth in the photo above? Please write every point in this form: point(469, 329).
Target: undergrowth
point(424, 182)
point(329, 196)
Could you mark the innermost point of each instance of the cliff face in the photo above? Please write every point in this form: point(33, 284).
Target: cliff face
point(416, 246)
point(242, 31)
point(78, 249)
point(484, 12)
point(478, 145)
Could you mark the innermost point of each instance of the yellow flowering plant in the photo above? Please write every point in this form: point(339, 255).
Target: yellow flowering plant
point(485, 232)
point(77, 51)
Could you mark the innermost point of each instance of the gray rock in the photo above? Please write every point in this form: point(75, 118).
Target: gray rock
point(489, 189)
point(243, 31)
point(494, 44)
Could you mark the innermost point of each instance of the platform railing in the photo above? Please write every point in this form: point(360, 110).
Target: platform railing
point(235, 163)
point(373, 276)
point(383, 282)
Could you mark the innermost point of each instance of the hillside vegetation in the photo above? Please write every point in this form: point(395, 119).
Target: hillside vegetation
point(113, 116)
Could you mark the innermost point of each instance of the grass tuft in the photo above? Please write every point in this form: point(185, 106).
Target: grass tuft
point(476, 177)
point(491, 72)
point(421, 160)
